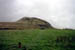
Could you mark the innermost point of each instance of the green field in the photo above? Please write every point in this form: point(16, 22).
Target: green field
point(49, 39)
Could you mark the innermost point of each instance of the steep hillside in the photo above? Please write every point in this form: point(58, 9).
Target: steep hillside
point(26, 23)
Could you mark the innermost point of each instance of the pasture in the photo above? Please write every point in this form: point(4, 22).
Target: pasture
point(48, 39)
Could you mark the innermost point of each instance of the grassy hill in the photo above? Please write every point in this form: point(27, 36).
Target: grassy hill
point(25, 23)
point(49, 39)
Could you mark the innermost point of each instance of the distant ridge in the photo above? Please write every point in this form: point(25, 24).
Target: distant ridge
point(26, 23)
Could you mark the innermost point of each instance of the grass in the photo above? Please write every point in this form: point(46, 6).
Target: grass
point(49, 39)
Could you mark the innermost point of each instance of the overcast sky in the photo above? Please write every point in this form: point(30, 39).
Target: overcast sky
point(59, 13)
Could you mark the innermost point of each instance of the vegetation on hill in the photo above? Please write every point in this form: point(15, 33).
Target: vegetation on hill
point(49, 39)
point(25, 23)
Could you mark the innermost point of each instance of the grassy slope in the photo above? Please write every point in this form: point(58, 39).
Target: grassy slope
point(35, 39)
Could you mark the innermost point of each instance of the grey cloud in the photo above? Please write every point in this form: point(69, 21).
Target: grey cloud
point(60, 13)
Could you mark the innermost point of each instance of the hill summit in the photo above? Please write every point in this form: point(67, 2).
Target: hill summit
point(35, 22)
point(26, 23)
